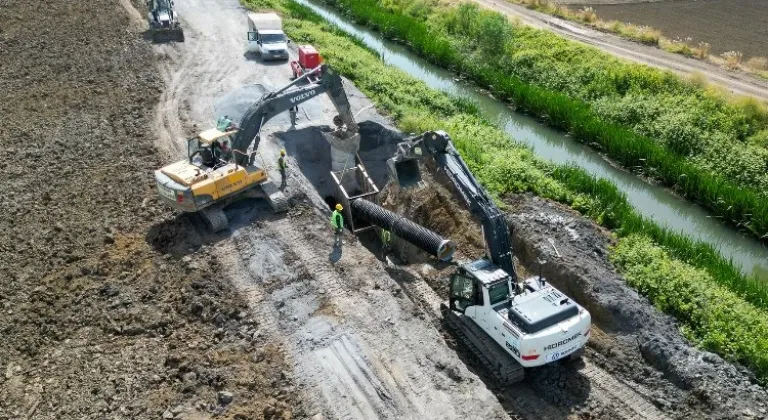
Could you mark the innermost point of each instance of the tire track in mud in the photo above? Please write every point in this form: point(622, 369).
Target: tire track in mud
point(631, 404)
point(522, 399)
point(350, 362)
point(381, 385)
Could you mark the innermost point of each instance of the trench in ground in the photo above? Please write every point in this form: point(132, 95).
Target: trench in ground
point(552, 391)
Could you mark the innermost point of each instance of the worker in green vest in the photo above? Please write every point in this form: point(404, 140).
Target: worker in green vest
point(223, 123)
point(386, 243)
point(337, 222)
point(282, 166)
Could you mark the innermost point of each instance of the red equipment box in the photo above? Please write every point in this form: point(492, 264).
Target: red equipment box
point(309, 58)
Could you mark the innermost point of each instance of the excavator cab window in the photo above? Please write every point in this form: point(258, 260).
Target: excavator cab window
point(193, 148)
point(205, 152)
point(499, 292)
point(464, 292)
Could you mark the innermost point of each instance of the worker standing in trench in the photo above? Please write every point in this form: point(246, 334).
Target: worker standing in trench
point(386, 243)
point(282, 166)
point(337, 222)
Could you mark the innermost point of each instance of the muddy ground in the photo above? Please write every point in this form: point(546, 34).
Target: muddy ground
point(115, 307)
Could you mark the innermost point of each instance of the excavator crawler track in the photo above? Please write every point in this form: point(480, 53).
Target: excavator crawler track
point(277, 200)
point(504, 369)
point(214, 218)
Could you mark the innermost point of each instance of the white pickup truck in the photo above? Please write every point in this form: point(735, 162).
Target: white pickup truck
point(266, 37)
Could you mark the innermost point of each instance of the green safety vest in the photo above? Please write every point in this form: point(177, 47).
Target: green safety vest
point(281, 162)
point(223, 123)
point(337, 220)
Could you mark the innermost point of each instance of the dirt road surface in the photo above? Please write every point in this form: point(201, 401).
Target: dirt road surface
point(358, 350)
point(734, 81)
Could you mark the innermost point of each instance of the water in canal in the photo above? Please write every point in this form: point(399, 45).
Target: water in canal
point(652, 201)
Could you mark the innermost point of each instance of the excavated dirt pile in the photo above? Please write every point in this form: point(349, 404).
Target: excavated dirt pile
point(95, 322)
point(631, 339)
point(639, 343)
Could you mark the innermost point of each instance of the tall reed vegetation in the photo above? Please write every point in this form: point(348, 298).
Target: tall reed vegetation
point(712, 316)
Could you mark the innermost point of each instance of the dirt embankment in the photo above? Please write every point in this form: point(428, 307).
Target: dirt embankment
point(637, 344)
point(95, 322)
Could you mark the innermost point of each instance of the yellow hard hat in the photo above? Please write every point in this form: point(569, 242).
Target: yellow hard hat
point(282, 152)
point(339, 208)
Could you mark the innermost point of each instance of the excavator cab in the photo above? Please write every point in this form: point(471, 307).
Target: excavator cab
point(468, 284)
point(206, 149)
point(464, 292)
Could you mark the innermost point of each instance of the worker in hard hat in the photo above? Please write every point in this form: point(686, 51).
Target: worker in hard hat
point(337, 223)
point(282, 166)
point(386, 243)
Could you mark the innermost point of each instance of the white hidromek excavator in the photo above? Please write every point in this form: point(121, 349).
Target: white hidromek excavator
point(507, 323)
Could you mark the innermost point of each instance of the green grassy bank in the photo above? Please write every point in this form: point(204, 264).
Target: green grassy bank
point(710, 149)
point(505, 167)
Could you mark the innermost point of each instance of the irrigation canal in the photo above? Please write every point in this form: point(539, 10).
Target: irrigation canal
point(652, 201)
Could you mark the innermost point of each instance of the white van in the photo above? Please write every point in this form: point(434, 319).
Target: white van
point(266, 36)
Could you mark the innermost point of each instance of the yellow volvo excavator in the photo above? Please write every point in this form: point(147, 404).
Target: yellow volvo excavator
point(220, 166)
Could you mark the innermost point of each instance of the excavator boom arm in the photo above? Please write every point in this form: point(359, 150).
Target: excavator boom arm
point(495, 229)
point(282, 100)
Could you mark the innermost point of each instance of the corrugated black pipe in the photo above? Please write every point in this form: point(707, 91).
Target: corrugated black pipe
point(414, 233)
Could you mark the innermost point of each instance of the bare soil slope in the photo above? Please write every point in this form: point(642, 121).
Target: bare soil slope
point(95, 323)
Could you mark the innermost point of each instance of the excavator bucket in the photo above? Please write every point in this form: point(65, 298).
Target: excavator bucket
point(164, 24)
point(162, 35)
point(404, 171)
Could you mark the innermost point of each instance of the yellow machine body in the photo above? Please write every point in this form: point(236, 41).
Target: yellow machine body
point(197, 182)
